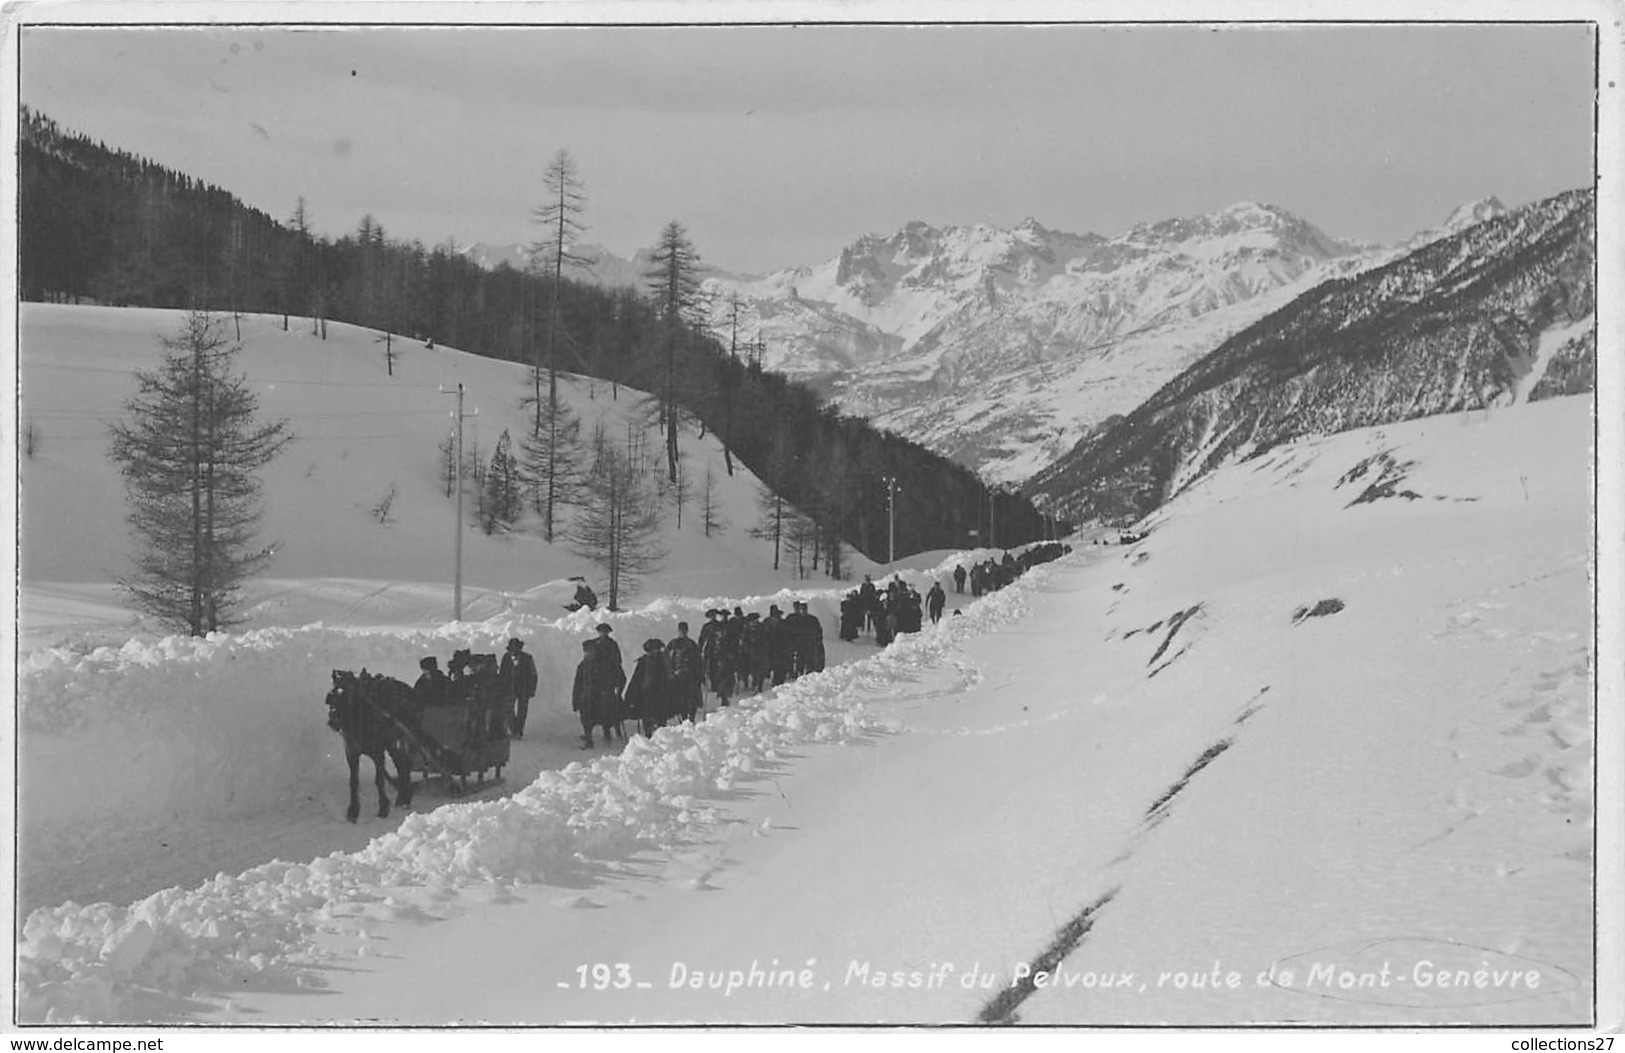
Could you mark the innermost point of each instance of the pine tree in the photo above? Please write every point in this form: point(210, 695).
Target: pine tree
point(618, 529)
point(474, 474)
point(189, 455)
point(551, 464)
point(770, 524)
point(711, 518)
point(674, 287)
point(680, 490)
point(801, 537)
point(500, 508)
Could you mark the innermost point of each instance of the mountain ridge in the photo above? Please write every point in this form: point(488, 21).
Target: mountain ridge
point(1499, 312)
point(1002, 348)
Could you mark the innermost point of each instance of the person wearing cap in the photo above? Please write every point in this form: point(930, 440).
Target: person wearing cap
point(753, 657)
point(594, 697)
point(717, 654)
point(648, 693)
point(869, 604)
point(518, 679)
point(683, 659)
point(851, 616)
point(795, 635)
point(584, 597)
point(709, 632)
point(430, 689)
point(606, 646)
point(776, 630)
point(807, 635)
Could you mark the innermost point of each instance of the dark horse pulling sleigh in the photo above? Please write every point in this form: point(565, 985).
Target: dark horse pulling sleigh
point(459, 731)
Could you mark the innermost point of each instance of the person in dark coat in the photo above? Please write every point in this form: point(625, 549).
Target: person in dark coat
point(648, 692)
point(432, 685)
point(710, 630)
point(518, 673)
point(584, 597)
point(934, 601)
point(885, 621)
point(753, 656)
point(869, 602)
point(811, 634)
point(851, 617)
point(781, 646)
point(716, 656)
point(683, 658)
point(710, 639)
point(798, 647)
point(593, 695)
point(959, 579)
point(605, 644)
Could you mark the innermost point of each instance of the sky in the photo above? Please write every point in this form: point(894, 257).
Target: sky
point(778, 145)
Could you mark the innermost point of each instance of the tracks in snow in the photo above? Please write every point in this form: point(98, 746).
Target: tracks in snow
point(1002, 1008)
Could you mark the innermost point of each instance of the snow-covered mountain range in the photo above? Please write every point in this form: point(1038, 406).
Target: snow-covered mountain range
point(1500, 313)
point(1002, 348)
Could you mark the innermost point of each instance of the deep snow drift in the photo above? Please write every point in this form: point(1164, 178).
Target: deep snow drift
point(1318, 749)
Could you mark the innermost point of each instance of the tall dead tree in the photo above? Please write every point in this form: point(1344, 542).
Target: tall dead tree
point(559, 216)
point(674, 287)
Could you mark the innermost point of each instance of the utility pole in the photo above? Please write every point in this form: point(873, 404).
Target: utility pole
point(457, 581)
point(891, 517)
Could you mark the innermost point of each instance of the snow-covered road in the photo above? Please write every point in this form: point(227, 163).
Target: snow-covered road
point(1305, 753)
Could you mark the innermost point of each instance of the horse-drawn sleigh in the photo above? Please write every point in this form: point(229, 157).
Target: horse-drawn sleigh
point(453, 729)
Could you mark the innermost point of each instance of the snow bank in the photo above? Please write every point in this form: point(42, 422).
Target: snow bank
point(245, 710)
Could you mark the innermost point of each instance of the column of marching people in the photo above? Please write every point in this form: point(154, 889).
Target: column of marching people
point(734, 653)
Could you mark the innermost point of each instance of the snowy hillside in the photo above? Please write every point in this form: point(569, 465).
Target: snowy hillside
point(1305, 731)
point(361, 434)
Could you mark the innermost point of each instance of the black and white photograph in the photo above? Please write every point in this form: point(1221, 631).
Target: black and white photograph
point(619, 516)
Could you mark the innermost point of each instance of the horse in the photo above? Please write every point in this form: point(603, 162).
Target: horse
point(370, 712)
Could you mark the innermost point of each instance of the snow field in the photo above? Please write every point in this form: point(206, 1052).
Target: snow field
point(1410, 771)
point(101, 962)
point(1170, 742)
point(1336, 706)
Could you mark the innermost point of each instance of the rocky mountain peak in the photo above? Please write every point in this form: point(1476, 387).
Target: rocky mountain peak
point(1473, 212)
point(1030, 229)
